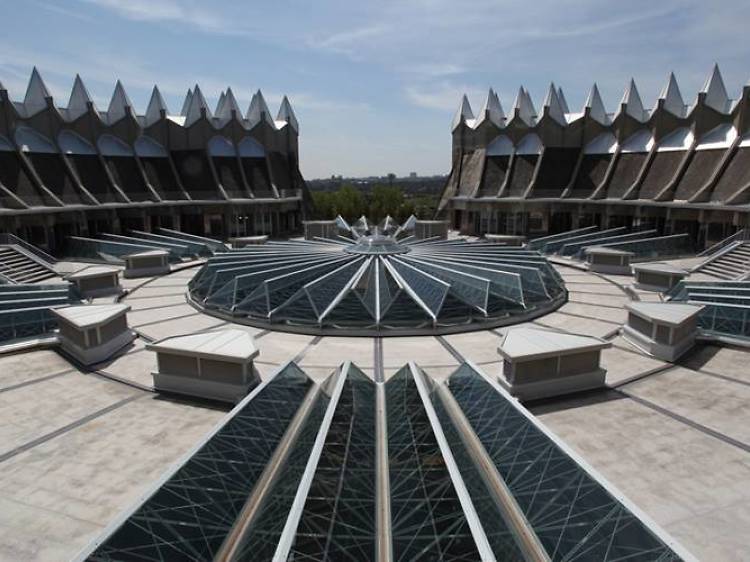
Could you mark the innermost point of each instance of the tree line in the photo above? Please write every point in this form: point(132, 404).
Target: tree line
point(383, 200)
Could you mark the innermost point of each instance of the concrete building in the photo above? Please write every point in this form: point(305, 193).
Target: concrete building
point(681, 166)
point(79, 170)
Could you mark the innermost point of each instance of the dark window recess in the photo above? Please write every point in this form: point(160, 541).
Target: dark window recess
point(555, 171)
point(700, 168)
point(591, 174)
point(523, 170)
point(14, 178)
point(280, 170)
point(56, 178)
point(662, 170)
point(256, 173)
point(161, 177)
point(735, 176)
point(195, 173)
point(228, 170)
point(93, 177)
point(626, 171)
point(128, 177)
point(495, 170)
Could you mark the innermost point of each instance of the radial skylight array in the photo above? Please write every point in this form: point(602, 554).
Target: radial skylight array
point(378, 279)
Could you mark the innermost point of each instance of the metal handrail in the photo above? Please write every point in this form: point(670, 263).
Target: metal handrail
point(743, 234)
point(12, 239)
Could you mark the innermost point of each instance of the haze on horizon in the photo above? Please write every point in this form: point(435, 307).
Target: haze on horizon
point(374, 85)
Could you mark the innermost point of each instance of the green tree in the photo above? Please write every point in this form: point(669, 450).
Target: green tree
point(385, 200)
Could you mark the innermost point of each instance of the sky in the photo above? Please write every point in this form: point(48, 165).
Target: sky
point(374, 84)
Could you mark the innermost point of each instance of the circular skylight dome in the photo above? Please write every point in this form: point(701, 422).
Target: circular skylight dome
point(367, 283)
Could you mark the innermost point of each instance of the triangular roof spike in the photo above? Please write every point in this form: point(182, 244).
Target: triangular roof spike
point(672, 97)
point(286, 113)
point(259, 110)
point(197, 103)
point(186, 103)
point(463, 113)
point(36, 94)
point(155, 106)
point(715, 91)
point(230, 104)
point(595, 105)
point(553, 105)
point(220, 104)
point(631, 99)
point(79, 99)
point(525, 106)
point(491, 110)
point(563, 101)
point(118, 104)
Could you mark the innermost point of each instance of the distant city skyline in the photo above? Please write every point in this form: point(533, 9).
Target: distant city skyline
point(374, 86)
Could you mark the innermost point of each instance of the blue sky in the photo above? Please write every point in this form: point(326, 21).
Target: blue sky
point(374, 84)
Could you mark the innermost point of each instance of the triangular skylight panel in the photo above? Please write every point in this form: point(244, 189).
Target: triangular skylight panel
point(186, 103)
point(632, 104)
point(524, 107)
point(552, 103)
point(197, 104)
point(563, 101)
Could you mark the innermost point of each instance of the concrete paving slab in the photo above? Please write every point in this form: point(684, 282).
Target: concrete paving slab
point(60, 495)
point(138, 318)
point(331, 351)
point(686, 480)
point(576, 324)
point(29, 412)
point(622, 365)
point(480, 347)
point(598, 298)
point(728, 361)
point(140, 303)
point(19, 368)
point(719, 404)
point(426, 351)
point(178, 326)
point(603, 313)
point(136, 365)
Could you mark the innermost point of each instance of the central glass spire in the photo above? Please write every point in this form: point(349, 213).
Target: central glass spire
point(378, 244)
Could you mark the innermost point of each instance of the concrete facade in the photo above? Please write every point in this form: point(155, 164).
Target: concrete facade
point(677, 167)
point(77, 170)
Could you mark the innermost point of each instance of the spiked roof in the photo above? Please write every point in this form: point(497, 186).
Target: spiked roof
point(258, 110)
point(119, 105)
point(36, 94)
point(672, 97)
point(491, 110)
point(155, 106)
point(595, 105)
point(286, 114)
point(79, 101)
point(631, 103)
point(464, 113)
point(197, 104)
point(553, 105)
point(716, 92)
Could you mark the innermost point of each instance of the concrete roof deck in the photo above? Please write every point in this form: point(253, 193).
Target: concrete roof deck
point(672, 438)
